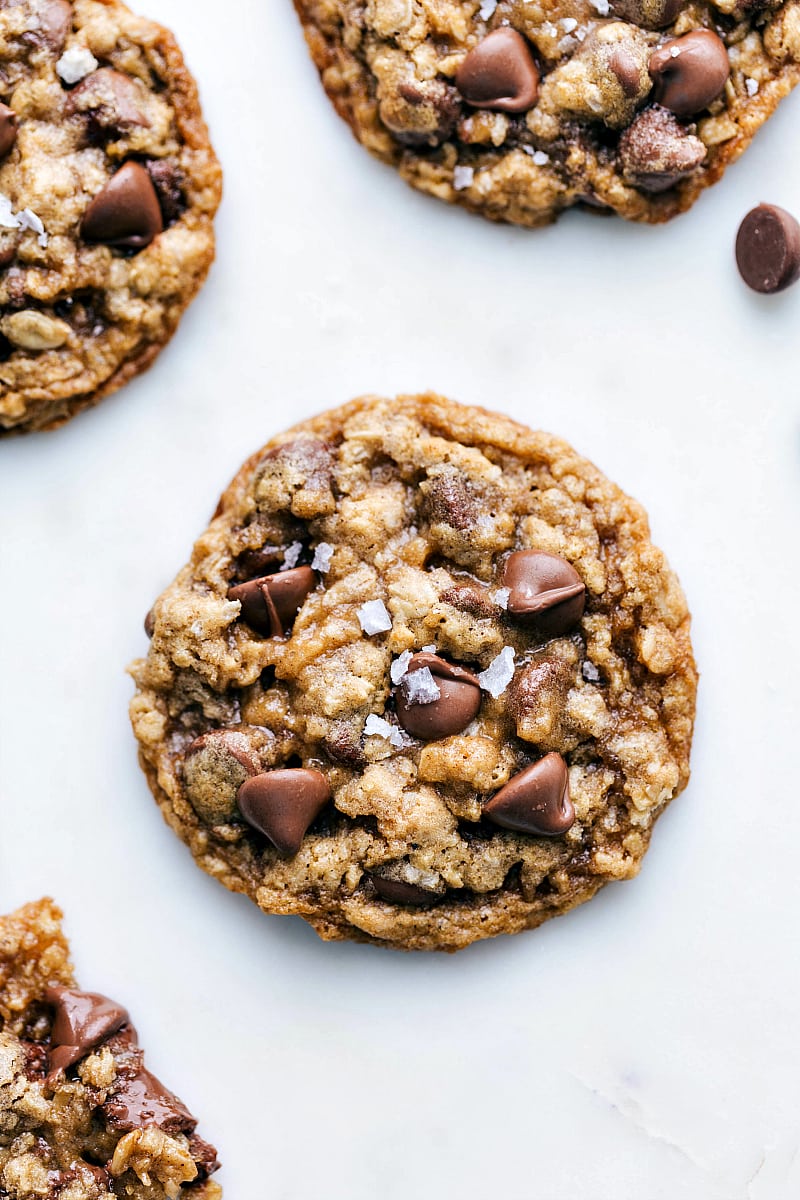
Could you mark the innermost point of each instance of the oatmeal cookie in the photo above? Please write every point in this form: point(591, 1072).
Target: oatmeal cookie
point(108, 189)
point(424, 680)
point(519, 109)
point(81, 1118)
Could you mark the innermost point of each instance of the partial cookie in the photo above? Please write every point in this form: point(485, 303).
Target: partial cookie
point(519, 110)
point(108, 189)
point(425, 679)
point(81, 1118)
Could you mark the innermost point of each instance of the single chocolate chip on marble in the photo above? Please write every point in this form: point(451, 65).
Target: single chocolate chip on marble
point(8, 129)
point(282, 804)
point(544, 589)
point(271, 603)
point(82, 1021)
point(397, 891)
point(689, 72)
point(126, 212)
point(768, 249)
point(458, 702)
point(500, 73)
point(536, 800)
point(141, 1100)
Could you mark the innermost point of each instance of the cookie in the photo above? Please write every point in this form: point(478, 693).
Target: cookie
point(81, 1117)
point(108, 189)
point(424, 680)
point(519, 110)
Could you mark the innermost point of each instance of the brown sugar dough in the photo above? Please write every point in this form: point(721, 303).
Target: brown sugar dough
point(397, 526)
point(108, 189)
point(81, 1117)
point(519, 109)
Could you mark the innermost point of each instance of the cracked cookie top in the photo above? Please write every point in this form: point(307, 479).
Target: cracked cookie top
point(519, 109)
point(108, 188)
point(81, 1117)
point(424, 680)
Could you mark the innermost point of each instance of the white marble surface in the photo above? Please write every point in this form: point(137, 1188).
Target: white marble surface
point(644, 1047)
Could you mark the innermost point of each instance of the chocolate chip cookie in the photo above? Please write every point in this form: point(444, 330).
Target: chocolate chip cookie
point(424, 680)
point(81, 1117)
point(519, 110)
point(108, 189)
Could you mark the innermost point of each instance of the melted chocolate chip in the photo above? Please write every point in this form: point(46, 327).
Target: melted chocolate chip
point(142, 1100)
point(500, 73)
point(689, 72)
point(768, 249)
point(656, 151)
point(205, 1157)
point(397, 891)
point(283, 804)
point(111, 100)
point(622, 63)
point(651, 14)
point(125, 213)
point(457, 705)
point(271, 603)
point(544, 589)
point(536, 800)
point(82, 1021)
point(8, 129)
point(169, 182)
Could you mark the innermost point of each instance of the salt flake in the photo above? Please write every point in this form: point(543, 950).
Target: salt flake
point(373, 617)
point(420, 687)
point(76, 63)
point(603, 7)
point(751, 86)
point(27, 219)
point(540, 158)
point(487, 9)
point(590, 672)
point(291, 556)
point(377, 727)
point(500, 597)
point(499, 673)
point(322, 557)
point(463, 177)
point(400, 666)
point(568, 24)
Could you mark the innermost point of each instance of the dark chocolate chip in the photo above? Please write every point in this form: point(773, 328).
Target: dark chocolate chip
point(126, 212)
point(282, 804)
point(500, 73)
point(536, 800)
point(422, 113)
point(8, 129)
point(150, 623)
point(544, 589)
point(656, 151)
point(397, 891)
point(205, 1157)
point(651, 14)
point(768, 249)
point(622, 64)
point(82, 1021)
point(169, 182)
point(458, 703)
point(55, 22)
point(142, 1100)
point(689, 72)
point(271, 603)
point(111, 99)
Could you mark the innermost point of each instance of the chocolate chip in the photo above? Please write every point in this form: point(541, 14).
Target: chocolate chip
point(205, 1157)
point(169, 182)
point(470, 600)
point(150, 623)
point(689, 72)
point(656, 151)
point(215, 766)
point(112, 100)
point(270, 604)
point(82, 1021)
point(142, 1100)
point(458, 703)
point(500, 73)
point(282, 804)
point(650, 14)
point(8, 129)
point(252, 564)
point(448, 499)
point(545, 590)
point(768, 249)
point(622, 64)
point(55, 22)
point(422, 113)
point(536, 800)
point(126, 212)
point(396, 891)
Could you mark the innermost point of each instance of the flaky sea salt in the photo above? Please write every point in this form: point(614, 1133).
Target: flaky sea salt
point(540, 158)
point(377, 727)
point(568, 24)
point(751, 86)
point(487, 9)
point(291, 556)
point(428, 649)
point(373, 617)
point(400, 666)
point(26, 219)
point(500, 597)
point(420, 687)
point(590, 672)
point(322, 557)
point(499, 673)
point(76, 63)
point(463, 177)
point(601, 6)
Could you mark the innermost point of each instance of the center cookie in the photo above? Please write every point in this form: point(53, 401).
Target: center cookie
point(519, 110)
point(425, 679)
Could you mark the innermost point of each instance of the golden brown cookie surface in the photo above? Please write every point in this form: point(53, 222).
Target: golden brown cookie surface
point(518, 110)
point(108, 189)
point(425, 679)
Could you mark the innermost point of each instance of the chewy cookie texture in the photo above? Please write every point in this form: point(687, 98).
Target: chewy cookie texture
point(519, 109)
point(108, 189)
point(424, 680)
point(81, 1118)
